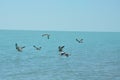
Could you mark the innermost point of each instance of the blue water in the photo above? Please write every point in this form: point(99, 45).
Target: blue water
point(98, 58)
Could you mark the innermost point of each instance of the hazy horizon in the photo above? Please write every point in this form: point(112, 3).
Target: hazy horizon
point(53, 30)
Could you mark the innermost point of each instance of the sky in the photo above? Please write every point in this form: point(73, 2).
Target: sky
point(60, 15)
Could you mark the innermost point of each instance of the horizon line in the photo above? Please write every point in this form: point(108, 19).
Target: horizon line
point(58, 30)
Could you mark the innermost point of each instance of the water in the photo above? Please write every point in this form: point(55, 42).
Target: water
point(98, 58)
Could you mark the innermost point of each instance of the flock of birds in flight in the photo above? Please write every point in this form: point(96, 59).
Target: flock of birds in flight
point(60, 48)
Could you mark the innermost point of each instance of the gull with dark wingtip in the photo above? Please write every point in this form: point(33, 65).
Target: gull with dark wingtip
point(47, 35)
point(79, 41)
point(19, 49)
point(60, 48)
point(62, 53)
point(37, 48)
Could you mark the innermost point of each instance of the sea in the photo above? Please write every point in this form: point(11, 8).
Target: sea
point(97, 58)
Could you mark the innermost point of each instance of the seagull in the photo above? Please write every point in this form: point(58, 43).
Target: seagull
point(19, 48)
point(79, 41)
point(37, 48)
point(48, 35)
point(64, 54)
point(61, 48)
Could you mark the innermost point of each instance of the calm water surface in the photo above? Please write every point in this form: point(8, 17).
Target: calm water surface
point(98, 58)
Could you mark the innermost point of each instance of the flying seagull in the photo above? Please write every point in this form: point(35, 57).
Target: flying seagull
point(37, 48)
point(79, 41)
point(19, 49)
point(60, 48)
point(47, 35)
point(62, 53)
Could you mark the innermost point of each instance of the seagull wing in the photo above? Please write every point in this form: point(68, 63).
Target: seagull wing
point(77, 40)
point(48, 36)
point(22, 47)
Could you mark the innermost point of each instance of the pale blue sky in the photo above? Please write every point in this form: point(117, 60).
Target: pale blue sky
point(76, 15)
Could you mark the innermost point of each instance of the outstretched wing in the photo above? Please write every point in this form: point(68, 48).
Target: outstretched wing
point(22, 47)
point(16, 45)
point(34, 46)
point(77, 40)
point(81, 41)
point(48, 36)
point(62, 47)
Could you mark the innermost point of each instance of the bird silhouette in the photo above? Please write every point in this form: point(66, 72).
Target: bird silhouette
point(19, 49)
point(79, 41)
point(37, 48)
point(47, 35)
point(60, 48)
